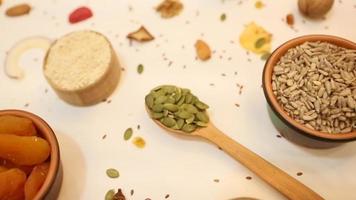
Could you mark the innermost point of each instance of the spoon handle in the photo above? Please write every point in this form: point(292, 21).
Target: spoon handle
point(281, 181)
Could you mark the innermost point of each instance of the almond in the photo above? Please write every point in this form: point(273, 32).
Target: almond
point(203, 50)
point(18, 10)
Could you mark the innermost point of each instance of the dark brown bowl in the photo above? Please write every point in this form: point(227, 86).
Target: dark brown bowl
point(288, 127)
point(51, 185)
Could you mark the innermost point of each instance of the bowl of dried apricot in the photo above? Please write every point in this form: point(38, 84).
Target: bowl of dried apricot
point(29, 157)
point(310, 85)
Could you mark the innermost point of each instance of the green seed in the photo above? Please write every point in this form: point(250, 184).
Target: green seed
point(184, 114)
point(201, 105)
point(157, 108)
point(171, 107)
point(128, 134)
point(201, 124)
point(180, 123)
point(169, 89)
point(171, 99)
point(112, 173)
point(165, 113)
point(202, 117)
point(190, 120)
point(149, 100)
point(185, 91)
point(223, 17)
point(156, 115)
point(260, 42)
point(110, 194)
point(188, 128)
point(188, 98)
point(169, 122)
point(161, 99)
point(140, 68)
point(181, 101)
point(265, 56)
point(190, 108)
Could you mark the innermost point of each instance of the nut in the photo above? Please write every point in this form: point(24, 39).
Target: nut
point(315, 8)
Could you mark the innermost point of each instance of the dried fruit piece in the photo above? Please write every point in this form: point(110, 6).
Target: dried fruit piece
point(139, 142)
point(80, 14)
point(12, 184)
point(290, 19)
point(24, 150)
point(251, 35)
point(141, 35)
point(9, 165)
point(259, 5)
point(35, 180)
point(169, 8)
point(10, 124)
point(203, 50)
point(12, 67)
point(119, 195)
point(18, 10)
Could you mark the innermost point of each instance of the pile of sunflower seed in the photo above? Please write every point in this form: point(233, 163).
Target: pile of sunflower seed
point(177, 108)
point(316, 85)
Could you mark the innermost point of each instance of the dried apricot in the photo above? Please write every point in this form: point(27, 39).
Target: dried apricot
point(12, 184)
point(10, 124)
point(24, 150)
point(9, 165)
point(35, 180)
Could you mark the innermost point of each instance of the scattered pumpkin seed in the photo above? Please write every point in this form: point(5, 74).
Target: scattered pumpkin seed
point(265, 56)
point(140, 68)
point(128, 134)
point(260, 42)
point(112, 173)
point(223, 17)
point(110, 194)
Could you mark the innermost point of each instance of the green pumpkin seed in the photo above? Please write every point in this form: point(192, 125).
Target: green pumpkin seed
point(169, 89)
point(157, 108)
point(188, 128)
point(265, 56)
point(157, 115)
point(260, 42)
point(161, 99)
point(169, 122)
point(181, 101)
point(165, 113)
point(149, 100)
point(184, 114)
point(180, 123)
point(110, 194)
point(190, 108)
point(194, 99)
point(185, 91)
point(201, 105)
point(171, 107)
point(188, 98)
point(112, 173)
point(128, 133)
point(140, 68)
point(201, 116)
point(171, 100)
point(201, 124)
point(190, 120)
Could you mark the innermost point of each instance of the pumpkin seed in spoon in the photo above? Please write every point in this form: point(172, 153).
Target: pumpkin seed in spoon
point(196, 122)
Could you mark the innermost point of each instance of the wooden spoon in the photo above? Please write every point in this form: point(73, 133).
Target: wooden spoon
point(281, 181)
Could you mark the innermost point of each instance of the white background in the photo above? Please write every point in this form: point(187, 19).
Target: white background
point(181, 167)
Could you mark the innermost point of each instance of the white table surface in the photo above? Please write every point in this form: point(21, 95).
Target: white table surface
point(185, 169)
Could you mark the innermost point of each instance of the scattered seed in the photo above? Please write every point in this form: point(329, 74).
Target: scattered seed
point(167, 196)
point(223, 17)
point(140, 68)
point(132, 192)
point(112, 173)
point(216, 180)
point(248, 177)
point(104, 136)
point(299, 173)
point(290, 19)
point(260, 42)
point(139, 142)
point(128, 133)
point(110, 194)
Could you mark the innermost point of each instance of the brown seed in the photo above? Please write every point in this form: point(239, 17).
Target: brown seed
point(18, 10)
point(248, 177)
point(290, 19)
point(299, 173)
